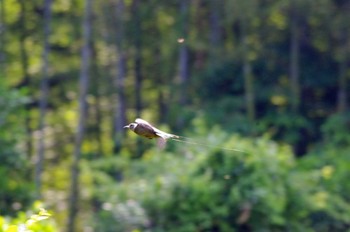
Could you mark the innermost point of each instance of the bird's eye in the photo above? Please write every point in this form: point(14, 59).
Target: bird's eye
point(132, 126)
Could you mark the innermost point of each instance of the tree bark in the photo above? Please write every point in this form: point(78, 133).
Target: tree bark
point(137, 66)
point(2, 39)
point(25, 73)
point(247, 75)
point(342, 82)
point(294, 59)
point(183, 54)
point(137, 57)
point(183, 59)
point(183, 73)
point(97, 104)
point(215, 34)
point(120, 110)
point(83, 85)
point(44, 91)
point(161, 81)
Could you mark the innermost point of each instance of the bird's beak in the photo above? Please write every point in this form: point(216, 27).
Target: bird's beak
point(127, 126)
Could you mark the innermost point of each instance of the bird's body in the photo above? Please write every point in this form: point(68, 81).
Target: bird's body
point(145, 129)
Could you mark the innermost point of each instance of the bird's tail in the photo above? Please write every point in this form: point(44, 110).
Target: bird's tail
point(165, 135)
point(191, 141)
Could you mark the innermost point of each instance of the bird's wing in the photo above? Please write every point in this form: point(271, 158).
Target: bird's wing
point(161, 142)
point(164, 134)
point(158, 132)
point(139, 120)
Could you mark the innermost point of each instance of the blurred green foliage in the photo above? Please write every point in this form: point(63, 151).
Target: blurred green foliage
point(336, 130)
point(16, 189)
point(294, 172)
point(196, 188)
point(329, 167)
point(35, 220)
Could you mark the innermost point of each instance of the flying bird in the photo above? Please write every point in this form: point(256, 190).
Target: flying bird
point(145, 129)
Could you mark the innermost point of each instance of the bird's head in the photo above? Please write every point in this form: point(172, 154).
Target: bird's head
point(131, 126)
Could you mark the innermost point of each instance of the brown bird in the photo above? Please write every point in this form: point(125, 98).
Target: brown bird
point(145, 129)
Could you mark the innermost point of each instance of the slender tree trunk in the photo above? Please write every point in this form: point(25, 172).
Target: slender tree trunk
point(294, 59)
point(137, 66)
point(2, 39)
point(183, 59)
point(183, 56)
point(183, 73)
point(248, 76)
point(215, 34)
point(137, 57)
point(199, 13)
point(342, 82)
point(44, 89)
point(294, 70)
point(24, 67)
point(97, 105)
point(161, 79)
point(120, 113)
point(83, 85)
point(162, 106)
point(96, 83)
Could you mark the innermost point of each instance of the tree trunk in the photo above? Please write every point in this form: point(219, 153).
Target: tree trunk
point(96, 91)
point(161, 81)
point(2, 39)
point(137, 67)
point(215, 34)
point(294, 59)
point(162, 106)
point(83, 85)
point(183, 73)
point(248, 76)
point(120, 111)
point(342, 82)
point(24, 67)
point(44, 89)
point(183, 59)
point(137, 57)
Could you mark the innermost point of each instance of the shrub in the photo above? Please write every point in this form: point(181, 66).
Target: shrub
point(205, 188)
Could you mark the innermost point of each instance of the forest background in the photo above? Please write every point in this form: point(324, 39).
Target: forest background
point(267, 77)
